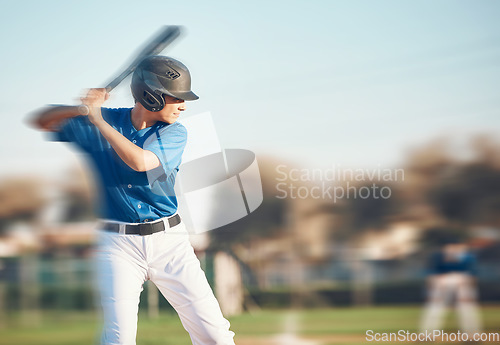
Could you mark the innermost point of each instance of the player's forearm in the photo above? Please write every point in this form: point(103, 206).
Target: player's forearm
point(134, 156)
point(51, 117)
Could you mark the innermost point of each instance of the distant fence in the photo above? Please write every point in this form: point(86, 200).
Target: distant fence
point(66, 282)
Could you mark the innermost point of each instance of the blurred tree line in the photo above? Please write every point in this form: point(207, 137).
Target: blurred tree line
point(25, 198)
point(446, 189)
point(441, 187)
point(444, 186)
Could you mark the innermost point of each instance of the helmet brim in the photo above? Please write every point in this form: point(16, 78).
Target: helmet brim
point(185, 96)
point(152, 82)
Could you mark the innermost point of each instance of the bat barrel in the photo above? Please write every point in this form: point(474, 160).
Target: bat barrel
point(154, 46)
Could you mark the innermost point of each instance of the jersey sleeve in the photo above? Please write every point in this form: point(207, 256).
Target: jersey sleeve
point(78, 130)
point(470, 263)
point(168, 144)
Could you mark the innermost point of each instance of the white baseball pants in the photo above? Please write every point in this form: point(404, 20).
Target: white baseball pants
point(445, 288)
point(125, 262)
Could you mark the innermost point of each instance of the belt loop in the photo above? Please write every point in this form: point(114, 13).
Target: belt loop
point(122, 229)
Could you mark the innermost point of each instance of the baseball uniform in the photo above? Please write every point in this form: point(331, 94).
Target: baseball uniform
point(452, 280)
point(141, 236)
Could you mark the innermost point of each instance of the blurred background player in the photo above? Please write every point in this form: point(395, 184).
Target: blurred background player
point(451, 279)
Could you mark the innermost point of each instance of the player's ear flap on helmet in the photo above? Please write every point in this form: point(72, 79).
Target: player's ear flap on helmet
point(151, 99)
point(161, 75)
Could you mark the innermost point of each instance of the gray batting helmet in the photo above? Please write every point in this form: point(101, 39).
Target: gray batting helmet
point(156, 76)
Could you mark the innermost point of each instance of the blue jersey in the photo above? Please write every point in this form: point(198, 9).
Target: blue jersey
point(125, 194)
point(463, 263)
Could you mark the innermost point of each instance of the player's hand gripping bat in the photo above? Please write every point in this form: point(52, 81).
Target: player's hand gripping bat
point(154, 46)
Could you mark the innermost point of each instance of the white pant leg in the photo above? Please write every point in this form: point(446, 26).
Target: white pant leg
point(121, 272)
point(439, 296)
point(467, 306)
point(176, 271)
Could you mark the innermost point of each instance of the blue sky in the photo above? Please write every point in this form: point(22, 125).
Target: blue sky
point(316, 83)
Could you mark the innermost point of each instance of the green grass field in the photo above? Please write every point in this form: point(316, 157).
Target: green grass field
point(321, 326)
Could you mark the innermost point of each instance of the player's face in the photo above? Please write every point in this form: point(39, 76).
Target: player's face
point(172, 110)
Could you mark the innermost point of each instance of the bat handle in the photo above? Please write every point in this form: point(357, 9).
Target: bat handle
point(114, 83)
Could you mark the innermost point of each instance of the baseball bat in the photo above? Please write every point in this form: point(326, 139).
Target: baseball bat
point(154, 46)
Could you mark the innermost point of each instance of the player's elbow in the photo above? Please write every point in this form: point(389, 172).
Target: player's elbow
point(137, 165)
point(140, 168)
point(35, 120)
point(40, 124)
point(49, 117)
point(143, 161)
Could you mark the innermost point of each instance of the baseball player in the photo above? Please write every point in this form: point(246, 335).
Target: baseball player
point(452, 278)
point(137, 152)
